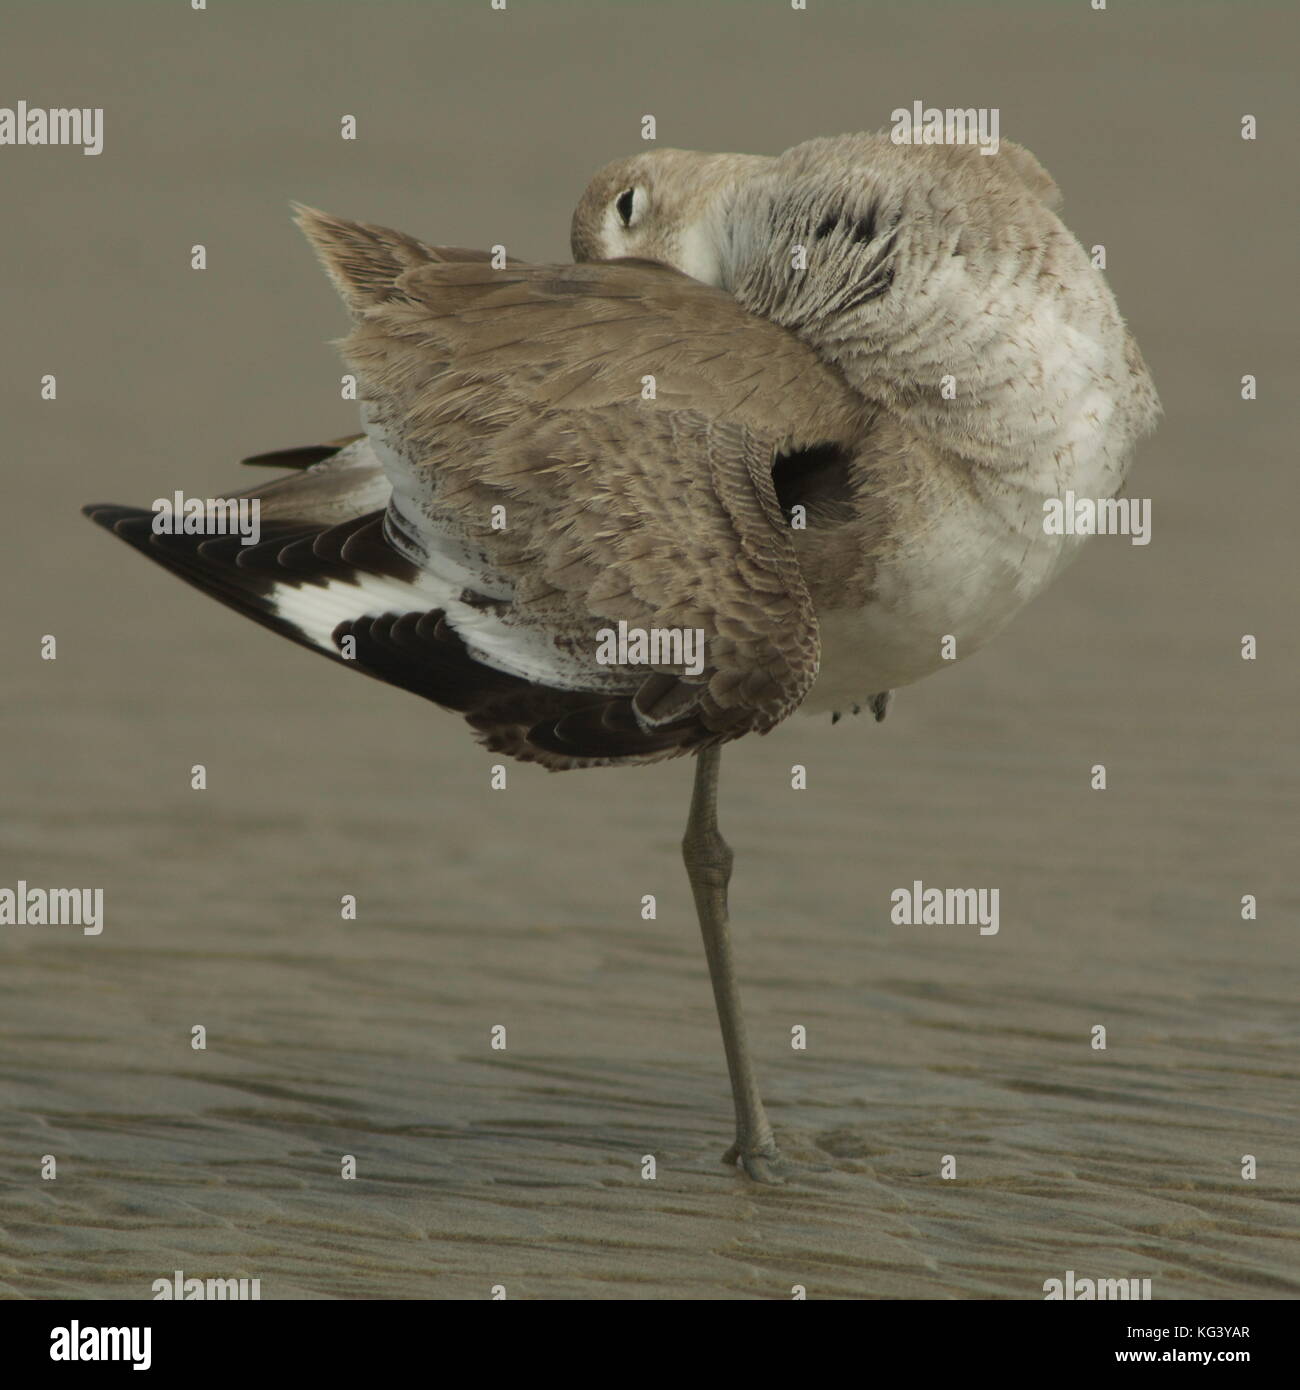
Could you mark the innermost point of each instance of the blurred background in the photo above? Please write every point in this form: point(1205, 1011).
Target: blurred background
point(522, 908)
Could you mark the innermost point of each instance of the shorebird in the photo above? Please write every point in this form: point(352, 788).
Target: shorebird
point(808, 406)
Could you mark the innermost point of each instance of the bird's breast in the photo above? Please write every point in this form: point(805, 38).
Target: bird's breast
point(963, 556)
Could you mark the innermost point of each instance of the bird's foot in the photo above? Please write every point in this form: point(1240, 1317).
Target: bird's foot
point(762, 1162)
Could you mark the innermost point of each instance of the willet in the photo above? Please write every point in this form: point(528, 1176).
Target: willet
point(826, 462)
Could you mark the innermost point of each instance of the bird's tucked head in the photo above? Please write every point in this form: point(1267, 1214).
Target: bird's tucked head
point(668, 206)
point(917, 270)
point(823, 231)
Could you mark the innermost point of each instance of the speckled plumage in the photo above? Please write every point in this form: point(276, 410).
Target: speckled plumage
point(842, 460)
point(990, 353)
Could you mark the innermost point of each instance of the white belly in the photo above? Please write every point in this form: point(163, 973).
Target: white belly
point(954, 586)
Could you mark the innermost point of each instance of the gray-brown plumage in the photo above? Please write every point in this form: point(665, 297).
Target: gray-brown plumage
point(522, 388)
point(989, 353)
point(810, 406)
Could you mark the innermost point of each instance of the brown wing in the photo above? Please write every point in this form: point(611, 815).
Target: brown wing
point(519, 396)
point(623, 419)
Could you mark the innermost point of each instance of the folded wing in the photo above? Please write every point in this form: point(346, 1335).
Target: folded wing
point(565, 448)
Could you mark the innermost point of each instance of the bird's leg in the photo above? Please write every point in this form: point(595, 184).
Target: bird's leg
point(708, 866)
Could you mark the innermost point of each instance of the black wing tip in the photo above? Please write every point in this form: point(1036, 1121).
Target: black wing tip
point(302, 456)
point(110, 514)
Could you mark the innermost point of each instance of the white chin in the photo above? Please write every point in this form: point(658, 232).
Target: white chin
point(697, 257)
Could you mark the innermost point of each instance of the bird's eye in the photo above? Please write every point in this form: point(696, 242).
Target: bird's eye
point(625, 203)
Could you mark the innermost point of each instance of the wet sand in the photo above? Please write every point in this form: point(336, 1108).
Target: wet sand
point(521, 907)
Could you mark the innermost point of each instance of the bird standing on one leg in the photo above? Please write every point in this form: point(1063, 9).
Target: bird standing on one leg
point(796, 484)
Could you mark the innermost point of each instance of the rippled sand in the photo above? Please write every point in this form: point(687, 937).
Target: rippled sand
point(521, 908)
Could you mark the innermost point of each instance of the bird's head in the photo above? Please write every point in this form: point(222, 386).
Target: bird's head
point(668, 206)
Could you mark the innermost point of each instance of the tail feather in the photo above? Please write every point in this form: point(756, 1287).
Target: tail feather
point(302, 456)
point(365, 262)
